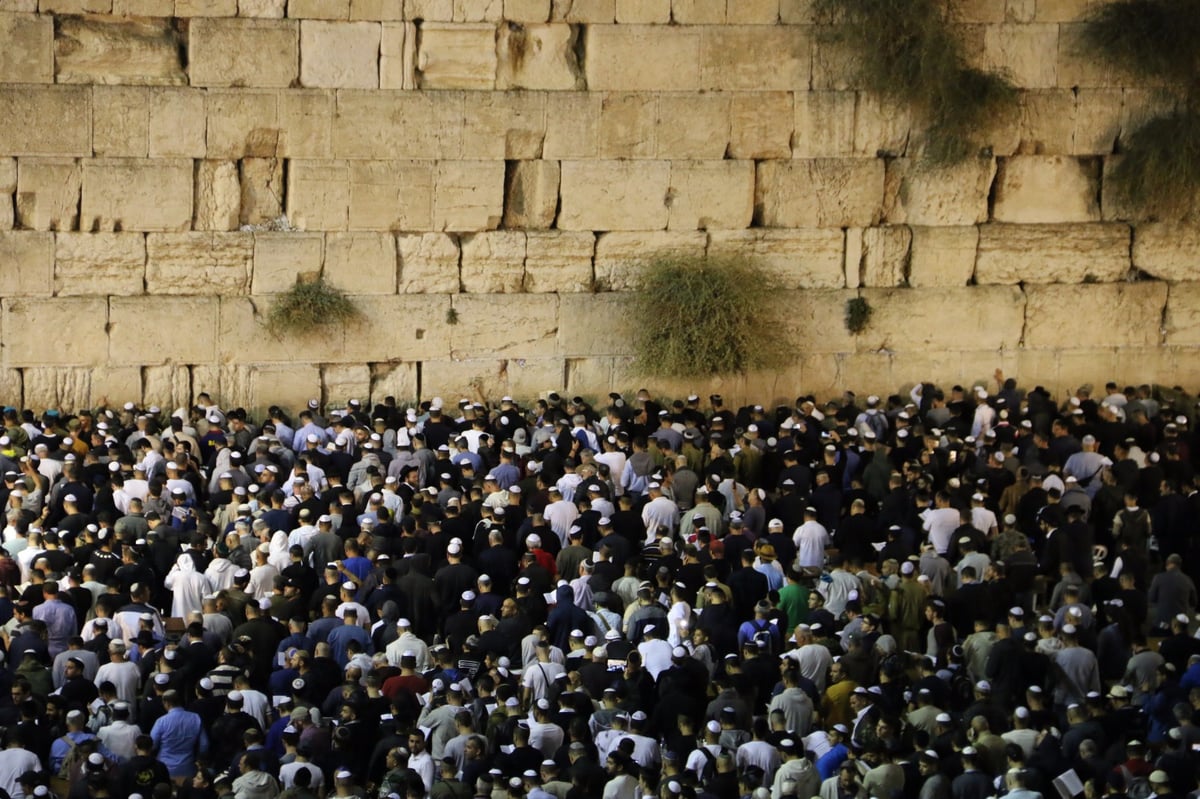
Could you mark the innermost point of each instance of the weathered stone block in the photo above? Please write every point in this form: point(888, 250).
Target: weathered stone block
point(318, 195)
point(989, 317)
point(885, 256)
point(698, 12)
point(429, 10)
point(398, 56)
point(339, 55)
point(881, 127)
point(642, 58)
point(1131, 314)
point(1052, 253)
point(1077, 63)
point(524, 377)
point(8, 175)
point(264, 9)
point(374, 195)
point(386, 125)
point(586, 11)
point(48, 193)
point(813, 320)
point(692, 125)
point(1183, 315)
point(156, 330)
point(614, 195)
point(93, 50)
point(824, 125)
point(115, 385)
point(199, 263)
point(169, 385)
point(361, 263)
point(457, 56)
point(1045, 189)
point(538, 57)
point(1022, 52)
point(711, 194)
point(583, 317)
point(177, 124)
point(18, 6)
point(478, 10)
point(559, 261)
point(121, 124)
point(853, 257)
point(1097, 121)
point(1167, 251)
point(262, 190)
point(515, 325)
point(400, 327)
point(26, 48)
point(98, 264)
point(572, 125)
point(428, 263)
point(1048, 118)
point(342, 382)
point(243, 52)
point(374, 10)
point(28, 263)
point(792, 258)
point(131, 194)
point(527, 10)
point(206, 8)
point(820, 192)
point(318, 9)
point(754, 57)
point(760, 125)
point(57, 387)
point(55, 120)
point(752, 12)
point(916, 194)
point(288, 384)
point(493, 262)
point(29, 323)
point(242, 319)
point(392, 379)
point(942, 256)
point(281, 258)
point(621, 257)
point(74, 6)
point(218, 196)
point(643, 12)
point(468, 195)
point(531, 195)
point(503, 125)
point(627, 125)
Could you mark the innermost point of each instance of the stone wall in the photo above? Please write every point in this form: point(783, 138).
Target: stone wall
point(485, 177)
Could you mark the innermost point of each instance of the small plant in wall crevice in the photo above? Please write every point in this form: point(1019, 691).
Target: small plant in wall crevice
point(311, 306)
point(858, 314)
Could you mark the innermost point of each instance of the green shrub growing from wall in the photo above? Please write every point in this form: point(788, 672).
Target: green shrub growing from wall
point(310, 306)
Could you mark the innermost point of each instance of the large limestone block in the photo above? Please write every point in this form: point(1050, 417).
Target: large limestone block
point(1035, 189)
point(824, 124)
point(753, 12)
point(93, 50)
point(585, 11)
point(26, 48)
point(391, 195)
point(1098, 121)
point(881, 126)
point(614, 195)
point(1078, 65)
point(538, 57)
point(56, 387)
point(1167, 251)
point(885, 256)
point(118, 384)
point(399, 327)
point(121, 123)
point(820, 192)
point(243, 319)
point(361, 263)
point(483, 377)
point(698, 12)
point(572, 125)
point(96, 264)
point(559, 261)
point(290, 385)
point(457, 56)
point(28, 263)
point(478, 10)
point(134, 194)
point(266, 9)
point(385, 125)
point(389, 10)
point(262, 190)
point(596, 325)
point(339, 55)
point(392, 379)
point(342, 382)
point(18, 6)
point(508, 326)
point(982, 317)
point(206, 8)
point(156, 330)
point(692, 125)
point(493, 262)
point(503, 125)
point(177, 123)
point(1130, 314)
point(55, 120)
point(468, 195)
point(318, 9)
point(48, 193)
point(8, 175)
point(711, 194)
point(1048, 120)
point(1025, 52)
point(199, 263)
point(754, 58)
point(429, 10)
point(530, 195)
point(428, 263)
point(1052, 253)
point(280, 259)
point(643, 12)
point(793, 259)
point(7, 214)
point(1182, 320)
point(627, 125)
point(760, 125)
point(318, 195)
point(853, 256)
point(218, 196)
point(642, 58)
point(621, 257)
point(917, 194)
point(243, 52)
point(398, 56)
point(942, 256)
point(814, 320)
point(169, 385)
point(30, 323)
point(527, 10)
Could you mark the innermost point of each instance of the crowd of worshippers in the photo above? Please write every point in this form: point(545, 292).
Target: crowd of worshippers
point(941, 594)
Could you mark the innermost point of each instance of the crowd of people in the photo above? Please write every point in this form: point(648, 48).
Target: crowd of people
point(950, 593)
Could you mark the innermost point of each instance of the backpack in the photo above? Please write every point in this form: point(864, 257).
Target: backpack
point(709, 769)
point(1136, 787)
point(765, 633)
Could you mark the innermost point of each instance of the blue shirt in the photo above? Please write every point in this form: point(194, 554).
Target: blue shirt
point(179, 737)
point(340, 638)
point(60, 749)
point(827, 764)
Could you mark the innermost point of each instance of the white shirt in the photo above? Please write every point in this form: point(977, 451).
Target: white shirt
point(124, 676)
point(656, 656)
point(810, 539)
point(14, 763)
point(940, 524)
point(538, 676)
point(119, 737)
point(660, 515)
